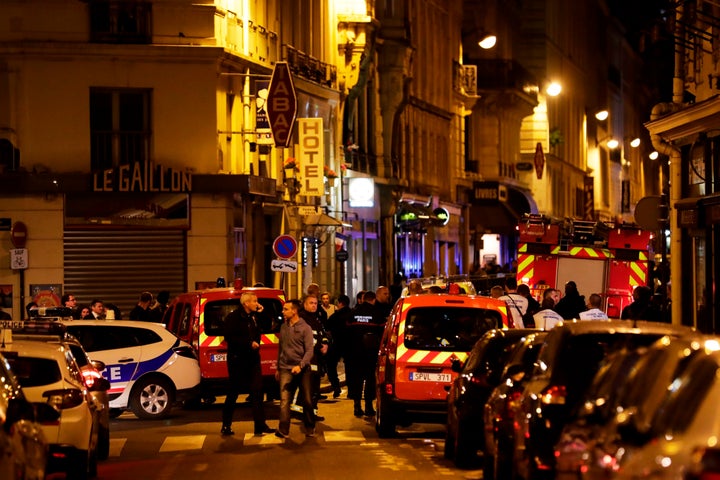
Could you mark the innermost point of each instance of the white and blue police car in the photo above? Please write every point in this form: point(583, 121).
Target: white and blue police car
point(148, 367)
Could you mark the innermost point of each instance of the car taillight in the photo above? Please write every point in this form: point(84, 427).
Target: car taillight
point(555, 395)
point(66, 398)
point(185, 351)
point(90, 376)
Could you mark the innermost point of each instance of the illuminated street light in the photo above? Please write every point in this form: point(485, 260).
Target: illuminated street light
point(553, 89)
point(488, 42)
point(654, 155)
point(635, 142)
point(613, 144)
point(602, 115)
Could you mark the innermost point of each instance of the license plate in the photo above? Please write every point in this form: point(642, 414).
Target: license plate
point(430, 377)
point(218, 357)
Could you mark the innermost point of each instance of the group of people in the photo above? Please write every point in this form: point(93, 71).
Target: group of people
point(314, 337)
point(148, 308)
point(525, 311)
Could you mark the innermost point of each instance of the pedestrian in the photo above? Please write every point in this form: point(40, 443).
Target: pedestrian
point(359, 297)
point(397, 287)
point(242, 337)
point(157, 311)
point(547, 318)
point(97, 310)
point(594, 311)
point(337, 327)
point(364, 333)
point(293, 367)
point(326, 305)
point(68, 300)
point(532, 308)
point(382, 301)
point(141, 311)
point(415, 287)
point(314, 290)
point(84, 311)
point(310, 312)
point(553, 293)
point(641, 308)
point(572, 303)
point(497, 291)
point(517, 304)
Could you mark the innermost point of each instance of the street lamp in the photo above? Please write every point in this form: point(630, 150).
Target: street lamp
point(553, 89)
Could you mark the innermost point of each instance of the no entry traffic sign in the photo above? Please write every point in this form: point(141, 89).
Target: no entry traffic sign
point(285, 246)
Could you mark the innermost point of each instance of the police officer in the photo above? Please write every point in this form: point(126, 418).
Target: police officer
point(242, 337)
point(310, 313)
point(364, 333)
point(337, 327)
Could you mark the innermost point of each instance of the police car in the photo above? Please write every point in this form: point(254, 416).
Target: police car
point(148, 367)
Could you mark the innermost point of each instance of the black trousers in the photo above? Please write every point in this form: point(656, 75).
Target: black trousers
point(244, 375)
point(332, 359)
point(360, 374)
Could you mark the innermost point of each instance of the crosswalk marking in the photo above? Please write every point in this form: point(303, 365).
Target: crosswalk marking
point(343, 436)
point(116, 446)
point(251, 439)
point(185, 442)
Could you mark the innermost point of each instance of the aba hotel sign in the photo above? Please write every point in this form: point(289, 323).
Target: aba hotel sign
point(142, 177)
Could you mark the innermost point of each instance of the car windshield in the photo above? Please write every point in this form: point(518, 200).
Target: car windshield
point(443, 328)
point(269, 320)
point(35, 372)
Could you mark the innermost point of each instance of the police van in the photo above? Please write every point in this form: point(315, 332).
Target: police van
point(197, 317)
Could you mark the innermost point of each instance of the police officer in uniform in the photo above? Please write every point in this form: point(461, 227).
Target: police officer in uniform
point(310, 313)
point(242, 337)
point(364, 332)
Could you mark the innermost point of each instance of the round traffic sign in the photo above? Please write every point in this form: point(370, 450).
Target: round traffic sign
point(18, 234)
point(285, 246)
point(341, 255)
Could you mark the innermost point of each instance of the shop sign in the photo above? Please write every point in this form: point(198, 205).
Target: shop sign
point(142, 177)
point(490, 192)
point(311, 153)
point(282, 104)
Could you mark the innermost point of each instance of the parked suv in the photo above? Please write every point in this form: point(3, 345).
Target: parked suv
point(566, 366)
point(197, 318)
point(422, 336)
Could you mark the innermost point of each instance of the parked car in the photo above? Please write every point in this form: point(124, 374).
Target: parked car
point(149, 368)
point(197, 318)
point(503, 405)
point(421, 337)
point(615, 417)
point(478, 376)
point(567, 363)
point(685, 427)
point(23, 445)
point(48, 372)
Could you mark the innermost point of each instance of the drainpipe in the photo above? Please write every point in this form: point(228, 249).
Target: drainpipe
point(673, 152)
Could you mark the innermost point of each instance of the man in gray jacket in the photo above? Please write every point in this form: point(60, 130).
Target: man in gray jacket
point(293, 368)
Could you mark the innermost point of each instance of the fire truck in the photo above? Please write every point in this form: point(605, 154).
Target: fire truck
point(604, 258)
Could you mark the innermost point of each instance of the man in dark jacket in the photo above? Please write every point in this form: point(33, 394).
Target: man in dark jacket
point(364, 334)
point(310, 313)
point(337, 327)
point(242, 337)
point(642, 307)
point(572, 303)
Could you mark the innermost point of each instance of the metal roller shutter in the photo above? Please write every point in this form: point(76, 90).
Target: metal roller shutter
point(116, 265)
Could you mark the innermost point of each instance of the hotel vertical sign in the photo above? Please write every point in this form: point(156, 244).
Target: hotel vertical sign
point(311, 154)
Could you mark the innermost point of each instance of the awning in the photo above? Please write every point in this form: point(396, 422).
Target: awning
point(321, 220)
point(501, 216)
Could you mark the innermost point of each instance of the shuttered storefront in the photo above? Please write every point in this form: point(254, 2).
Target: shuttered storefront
point(116, 265)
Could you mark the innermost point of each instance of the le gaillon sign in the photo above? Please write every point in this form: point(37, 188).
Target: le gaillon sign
point(142, 177)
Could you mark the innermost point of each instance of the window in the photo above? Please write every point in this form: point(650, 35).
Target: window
point(119, 127)
point(442, 328)
point(35, 372)
point(124, 21)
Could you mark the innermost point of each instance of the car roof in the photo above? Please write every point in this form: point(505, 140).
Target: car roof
point(579, 327)
point(450, 300)
point(34, 348)
point(230, 291)
point(115, 323)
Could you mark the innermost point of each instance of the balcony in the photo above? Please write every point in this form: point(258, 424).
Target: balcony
point(500, 74)
point(310, 68)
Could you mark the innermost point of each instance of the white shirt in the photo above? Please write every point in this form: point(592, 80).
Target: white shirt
point(514, 302)
point(547, 319)
point(593, 314)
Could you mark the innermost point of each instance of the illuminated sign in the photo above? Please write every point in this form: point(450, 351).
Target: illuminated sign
point(311, 154)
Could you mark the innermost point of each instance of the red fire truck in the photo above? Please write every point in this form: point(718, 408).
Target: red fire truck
point(601, 258)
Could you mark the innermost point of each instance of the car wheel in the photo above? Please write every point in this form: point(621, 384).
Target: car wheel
point(449, 450)
point(465, 446)
point(152, 398)
point(384, 426)
point(103, 446)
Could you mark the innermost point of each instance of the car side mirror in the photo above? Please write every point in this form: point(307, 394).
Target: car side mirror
point(100, 385)
point(457, 365)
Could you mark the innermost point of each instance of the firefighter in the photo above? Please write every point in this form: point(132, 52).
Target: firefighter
point(572, 303)
point(364, 332)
